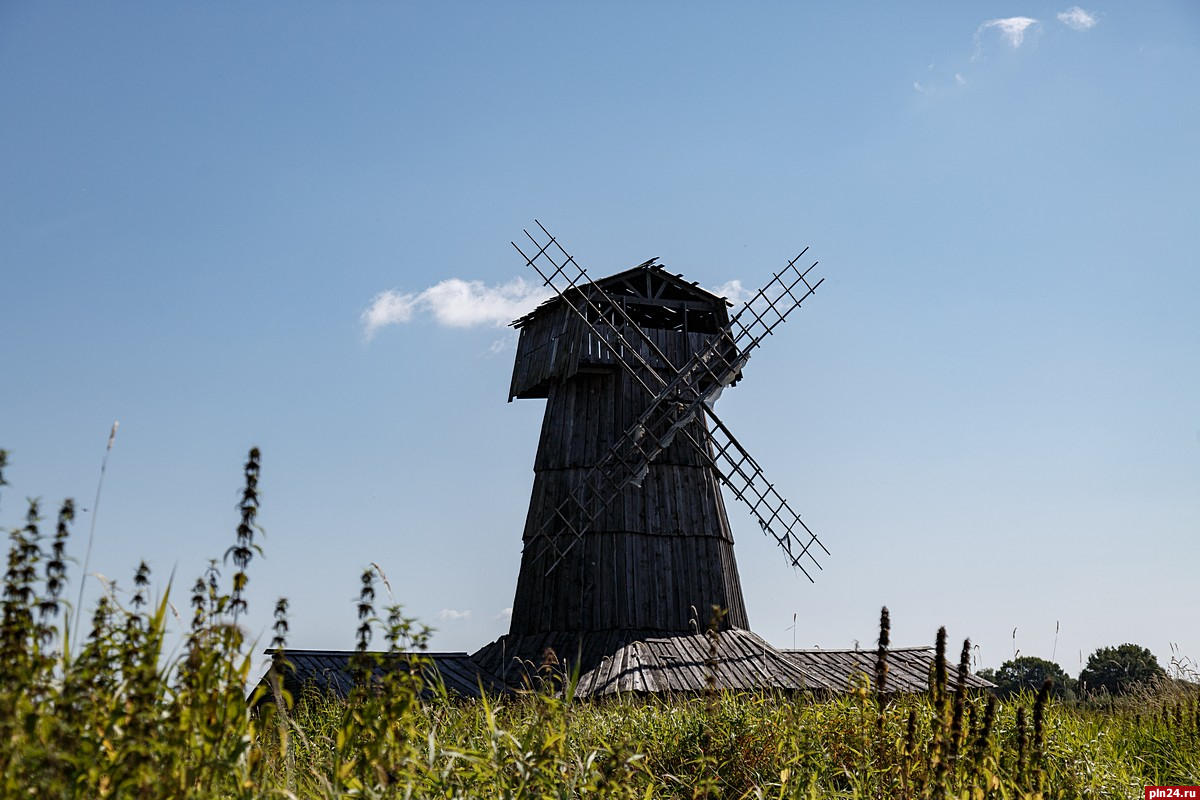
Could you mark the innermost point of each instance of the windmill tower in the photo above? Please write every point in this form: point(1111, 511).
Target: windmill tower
point(627, 544)
point(657, 547)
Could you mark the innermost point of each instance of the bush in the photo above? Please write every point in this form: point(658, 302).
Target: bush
point(1027, 674)
point(1117, 670)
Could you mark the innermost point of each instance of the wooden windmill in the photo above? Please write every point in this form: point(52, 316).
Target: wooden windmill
point(627, 541)
point(627, 545)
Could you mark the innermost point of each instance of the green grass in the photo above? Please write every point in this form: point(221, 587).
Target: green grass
point(108, 716)
point(731, 745)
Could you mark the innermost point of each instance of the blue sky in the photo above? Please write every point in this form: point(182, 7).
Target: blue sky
point(990, 412)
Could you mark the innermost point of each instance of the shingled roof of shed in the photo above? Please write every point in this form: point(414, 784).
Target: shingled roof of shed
point(652, 662)
point(328, 671)
point(909, 668)
point(640, 663)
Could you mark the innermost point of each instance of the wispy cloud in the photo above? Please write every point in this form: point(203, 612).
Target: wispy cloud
point(455, 303)
point(1012, 29)
point(451, 615)
point(505, 613)
point(940, 90)
point(1077, 19)
point(503, 344)
point(733, 291)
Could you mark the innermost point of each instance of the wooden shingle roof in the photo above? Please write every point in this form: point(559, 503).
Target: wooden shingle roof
point(634, 662)
point(909, 668)
point(328, 671)
point(658, 282)
point(650, 662)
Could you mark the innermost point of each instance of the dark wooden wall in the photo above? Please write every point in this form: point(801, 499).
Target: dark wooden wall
point(556, 344)
point(660, 555)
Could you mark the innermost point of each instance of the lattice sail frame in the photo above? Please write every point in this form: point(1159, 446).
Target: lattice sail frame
point(675, 402)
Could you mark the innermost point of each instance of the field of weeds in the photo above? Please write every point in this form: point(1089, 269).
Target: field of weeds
point(105, 716)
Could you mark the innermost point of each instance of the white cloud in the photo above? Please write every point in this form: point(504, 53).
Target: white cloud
point(505, 613)
point(1012, 29)
point(503, 345)
point(455, 303)
point(733, 291)
point(1077, 19)
point(450, 615)
point(922, 89)
point(960, 80)
point(388, 308)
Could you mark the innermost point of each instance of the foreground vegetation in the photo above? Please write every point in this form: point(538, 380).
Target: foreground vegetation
point(105, 717)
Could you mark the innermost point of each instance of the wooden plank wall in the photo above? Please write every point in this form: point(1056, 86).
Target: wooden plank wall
point(620, 579)
point(657, 555)
point(547, 350)
point(555, 345)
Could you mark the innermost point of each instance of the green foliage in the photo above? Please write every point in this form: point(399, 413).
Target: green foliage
point(107, 718)
point(1027, 674)
point(110, 718)
point(1117, 670)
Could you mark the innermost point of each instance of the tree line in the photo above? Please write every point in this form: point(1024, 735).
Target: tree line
point(1112, 670)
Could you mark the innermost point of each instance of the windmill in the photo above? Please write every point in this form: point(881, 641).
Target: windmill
point(627, 542)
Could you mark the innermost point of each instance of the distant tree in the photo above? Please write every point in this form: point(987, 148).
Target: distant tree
point(1029, 673)
point(987, 673)
point(1118, 669)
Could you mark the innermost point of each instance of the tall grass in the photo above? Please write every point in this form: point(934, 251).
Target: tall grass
point(109, 717)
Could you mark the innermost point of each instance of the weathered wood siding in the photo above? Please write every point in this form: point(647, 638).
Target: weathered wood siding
point(557, 344)
point(546, 349)
point(658, 555)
